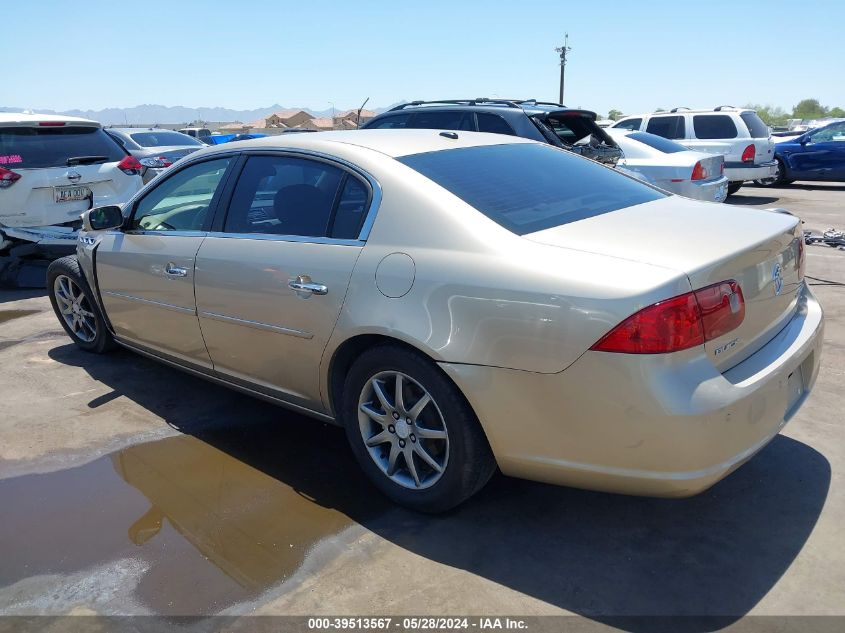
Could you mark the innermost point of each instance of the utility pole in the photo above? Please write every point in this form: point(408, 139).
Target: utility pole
point(563, 50)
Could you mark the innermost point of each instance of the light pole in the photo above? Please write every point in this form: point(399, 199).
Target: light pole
point(331, 103)
point(563, 50)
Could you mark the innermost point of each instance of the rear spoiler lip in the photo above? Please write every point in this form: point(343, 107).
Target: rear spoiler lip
point(566, 112)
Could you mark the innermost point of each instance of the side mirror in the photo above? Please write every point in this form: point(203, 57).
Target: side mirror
point(102, 218)
point(804, 140)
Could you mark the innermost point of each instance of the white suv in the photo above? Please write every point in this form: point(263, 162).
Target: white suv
point(736, 133)
point(52, 169)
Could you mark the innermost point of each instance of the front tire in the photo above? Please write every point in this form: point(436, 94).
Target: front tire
point(412, 431)
point(778, 180)
point(75, 307)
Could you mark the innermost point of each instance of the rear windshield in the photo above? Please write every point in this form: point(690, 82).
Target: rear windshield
point(572, 128)
point(755, 125)
point(528, 187)
point(160, 139)
point(658, 142)
point(35, 147)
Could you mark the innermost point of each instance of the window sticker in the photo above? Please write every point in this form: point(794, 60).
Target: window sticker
point(11, 159)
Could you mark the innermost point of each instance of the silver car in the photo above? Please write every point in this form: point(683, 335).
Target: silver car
point(459, 302)
point(672, 166)
point(155, 148)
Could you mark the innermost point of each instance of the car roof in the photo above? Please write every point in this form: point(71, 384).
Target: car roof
point(30, 118)
point(718, 110)
point(392, 142)
point(510, 107)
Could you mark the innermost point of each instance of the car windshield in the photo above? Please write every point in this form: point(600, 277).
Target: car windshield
point(38, 147)
point(163, 138)
point(528, 187)
point(658, 142)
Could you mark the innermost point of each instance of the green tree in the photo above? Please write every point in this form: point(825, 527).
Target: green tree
point(809, 109)
point(615, 115)
point(839, 113)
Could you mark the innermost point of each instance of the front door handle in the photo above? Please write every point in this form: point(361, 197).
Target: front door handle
point(304, 284)
point(172, 270)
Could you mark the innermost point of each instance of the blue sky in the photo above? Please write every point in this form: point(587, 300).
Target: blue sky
point(633, 56)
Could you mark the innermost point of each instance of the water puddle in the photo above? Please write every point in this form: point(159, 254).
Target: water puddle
point(212, 521)
point(8, 315)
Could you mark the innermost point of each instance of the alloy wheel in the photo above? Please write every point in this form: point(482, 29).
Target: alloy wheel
point(75, 309)
point(403, 430)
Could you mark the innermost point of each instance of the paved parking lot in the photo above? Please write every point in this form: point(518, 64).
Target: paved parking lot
point(129, 487)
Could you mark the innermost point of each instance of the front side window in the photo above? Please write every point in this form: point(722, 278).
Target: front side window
point(710, 126)
point(835, 132)
point(182, 201)
point(671, 127)
point(441, 120)
point(284, 195)
point(629, 124)
point(390, 122)
point(528, 187)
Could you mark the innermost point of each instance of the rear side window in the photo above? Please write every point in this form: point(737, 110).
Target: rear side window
point(38, 147)
point(528, 187)
point(448, 120)
point(284, 195)
point(629, 124)
point(389, 122)
point(493, 123)
point(667, 126)
point(658, 142)
point(755, 125)
point(351, 210)
point(708, 126)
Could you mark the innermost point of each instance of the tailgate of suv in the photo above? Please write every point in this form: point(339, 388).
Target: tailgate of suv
point(577, 131)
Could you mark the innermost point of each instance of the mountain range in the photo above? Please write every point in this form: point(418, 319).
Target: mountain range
point(154, 113)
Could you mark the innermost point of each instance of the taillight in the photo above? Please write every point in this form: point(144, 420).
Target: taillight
point(8, 178)
point(157, 162)
point(748, 154)
point(802, 257)
point(699, 172)
point(722, 167)
point(679, 323)
point(130, 166)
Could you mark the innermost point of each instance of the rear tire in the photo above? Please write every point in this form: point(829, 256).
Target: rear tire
point(733, 187)
point(450, 459)
point(75, 307)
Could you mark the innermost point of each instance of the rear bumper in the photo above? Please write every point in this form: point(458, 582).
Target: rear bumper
point(662, 425)
point(709, 191)
point(49, 242)
point(740, 172)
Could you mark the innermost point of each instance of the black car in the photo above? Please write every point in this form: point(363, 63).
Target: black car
point(571, 129)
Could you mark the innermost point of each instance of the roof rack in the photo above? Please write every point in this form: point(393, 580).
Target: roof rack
point(478, 101)
point(679, 108)
point(719, 109)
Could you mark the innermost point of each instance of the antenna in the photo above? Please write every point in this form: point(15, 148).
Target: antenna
point(563, 50)
point(358, 122)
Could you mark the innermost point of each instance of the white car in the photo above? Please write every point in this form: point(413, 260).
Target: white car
point(671, 166)
point(52, 169)
point(736, 133)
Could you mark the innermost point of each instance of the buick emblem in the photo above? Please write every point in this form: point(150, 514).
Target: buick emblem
point(73, 176)
point(777, 278)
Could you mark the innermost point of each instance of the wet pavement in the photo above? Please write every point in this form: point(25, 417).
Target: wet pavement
point(129, 487)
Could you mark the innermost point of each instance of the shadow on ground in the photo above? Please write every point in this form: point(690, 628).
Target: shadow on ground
point(597, 555)
point(744, 199)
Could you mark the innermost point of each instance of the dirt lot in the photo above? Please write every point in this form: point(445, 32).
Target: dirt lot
point(128, 487)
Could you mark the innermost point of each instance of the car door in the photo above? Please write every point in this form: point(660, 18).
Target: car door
point(821, 154)
point(270, 283)
point(145, 272)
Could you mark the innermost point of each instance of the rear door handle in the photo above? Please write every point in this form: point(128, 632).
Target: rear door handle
point(172, 270)
point(304, 284)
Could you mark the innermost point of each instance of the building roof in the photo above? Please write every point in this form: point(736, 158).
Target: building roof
point(322, 122)
point(365, 114)
point(289, 114)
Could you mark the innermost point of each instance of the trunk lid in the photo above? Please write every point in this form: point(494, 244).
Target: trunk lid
point(710, 243)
